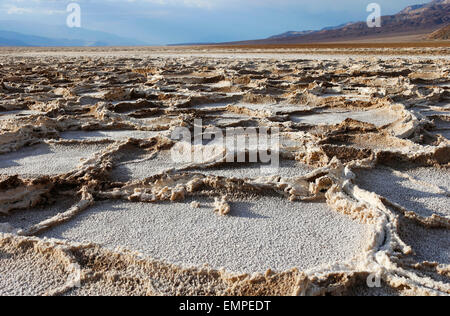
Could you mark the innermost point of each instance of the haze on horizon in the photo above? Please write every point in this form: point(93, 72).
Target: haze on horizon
point(160, 22)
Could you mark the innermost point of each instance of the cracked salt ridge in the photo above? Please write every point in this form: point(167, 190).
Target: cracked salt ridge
point(378, 117)
point(287, 169)
point(434, 113)
point(420, 198)
point(102, 135)
point(23, 219)
point(159, 121)
point(46, 159)
point(350, 97)
point(379, 142)
point(17, 114)
point(441, 84)
point(226, 119)
point(220, 106)
point(272, 109)
point(258, 234)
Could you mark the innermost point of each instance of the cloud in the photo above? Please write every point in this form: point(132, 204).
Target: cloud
point(35, 9)
point(12, 9)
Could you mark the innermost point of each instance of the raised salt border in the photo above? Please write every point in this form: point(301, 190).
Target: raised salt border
point(23, 219)
point(287, 169)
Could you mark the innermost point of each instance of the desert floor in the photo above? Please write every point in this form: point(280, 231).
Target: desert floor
point(92, 201)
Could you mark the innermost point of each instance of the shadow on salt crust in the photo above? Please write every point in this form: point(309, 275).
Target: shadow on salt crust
point(138, 164)
point(23, 219)
point(432, 245)
point(44, 159)
point(420, 198)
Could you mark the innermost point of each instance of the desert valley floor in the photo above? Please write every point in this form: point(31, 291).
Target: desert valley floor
point(91, 202)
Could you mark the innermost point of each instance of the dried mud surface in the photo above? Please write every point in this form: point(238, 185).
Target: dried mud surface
point(91, 203)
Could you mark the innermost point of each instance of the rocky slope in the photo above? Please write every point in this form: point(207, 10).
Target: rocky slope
point(441, 34)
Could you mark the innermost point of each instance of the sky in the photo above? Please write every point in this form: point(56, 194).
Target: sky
point(160, 22)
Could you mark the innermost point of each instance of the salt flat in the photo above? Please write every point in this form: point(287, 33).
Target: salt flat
point(89, 186)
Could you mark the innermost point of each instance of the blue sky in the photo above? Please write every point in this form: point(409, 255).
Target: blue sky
point(178, 21)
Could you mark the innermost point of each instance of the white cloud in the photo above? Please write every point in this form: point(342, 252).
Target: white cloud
point(12, 9)
point(16, 10)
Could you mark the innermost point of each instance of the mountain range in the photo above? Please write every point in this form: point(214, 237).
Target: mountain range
point(8, 38)
point(414, 23)
point(13, 33)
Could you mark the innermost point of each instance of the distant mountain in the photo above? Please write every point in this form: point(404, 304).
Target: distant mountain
point(329, 28)
point(11, 42)
point(412, 8)
point(291, 34)
point(50, 35)
point(8, 38)
point(191, 44)
point(414, 22)
point(301, 33)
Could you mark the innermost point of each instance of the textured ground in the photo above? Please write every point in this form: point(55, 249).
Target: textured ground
point(92, 204)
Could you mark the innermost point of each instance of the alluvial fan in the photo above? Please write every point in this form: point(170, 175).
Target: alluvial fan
point(93, 200)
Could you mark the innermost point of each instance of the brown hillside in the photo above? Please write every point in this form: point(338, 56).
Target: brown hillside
point(441, 34)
